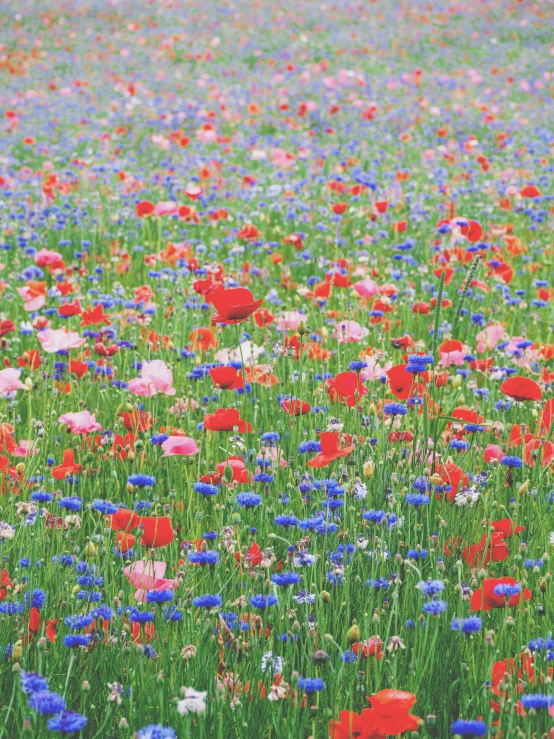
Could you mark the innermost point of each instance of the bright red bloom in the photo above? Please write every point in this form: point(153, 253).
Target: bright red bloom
point(530, 191)
point(490, 549)
point(226, 419)
point(391, 708)
point(137, 420)
point(295, 407)
point(94, 316)
point(156, 531)
point(234, 305)
point(485, 599)
point(226, 378)
point(6, 327)
point(123, 520)
point(521, 388)
point(506, 527)
point(330, 450)
point(355, 726)
point(34, 620)
point(70, 309)
point(68, 466)
point(144, 208)
point(238, 467)
point(348, 385)
point(372, 647)
point(263, 317)
point(400, 381)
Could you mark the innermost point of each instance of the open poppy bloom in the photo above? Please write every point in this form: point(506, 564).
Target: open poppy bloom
point(226, 378)
point(238, 468)
point(485, 599)
point(507, 527)
point(295, 407)
point(490, 549)
point(156, 531)
point(330, 450)
point(521, 388)
point(68, 466)
point(349, 385)
point(226, 419)
point(234, 305)
point(388, 716)
point(400, 381)
point(179, 446)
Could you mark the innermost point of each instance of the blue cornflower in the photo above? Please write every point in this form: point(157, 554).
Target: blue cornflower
point(248, 500)
point(309, 447)
point(38, 598)
point(379, 584)
point(459, 444)
point(208, 601)
point(285, 579)
point(78, 622)
point(507, 590)
point(431, 588)
point(141, 481)
point(41, 496)
point(74, 641)
point(263, 601)
point(417, 499)
point(395, 409)
point(469, 728)
point(473, 428)
point(416, 553)
point(205, 488)
point(357, 366)
point(72, 503)
point(263, 477)
point(31, 682)
point(68, 722)
point(311, 684)
point(375, 516)
point(435, 607)
point(347, 657)
point(46, 702)
point(509, 461)
point(141, 617)
point(271, 436)
point(537, 700)
point(156, 731)
point(104, 506)
point(208, 557)
point(469, 625)
point(159, 596)
point(286, 521)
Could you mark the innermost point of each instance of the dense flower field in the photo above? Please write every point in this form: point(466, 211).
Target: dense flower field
point(276, 354)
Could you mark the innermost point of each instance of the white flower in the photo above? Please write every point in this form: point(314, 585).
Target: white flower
point(551, 538)
point(194, 701)
point(272, 661)
point(6, 531)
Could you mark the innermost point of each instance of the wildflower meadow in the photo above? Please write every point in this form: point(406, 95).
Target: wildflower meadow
point(276, 369)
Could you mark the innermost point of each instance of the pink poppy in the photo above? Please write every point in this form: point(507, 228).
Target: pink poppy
point(33, 302)
point(489, 337)
point(82, 422)
point(366, 288)
point(289, 321)
point(9, 381)
point(179, 445)
point(374, 371)
point(55, 340)
point(148, 575)
point(48, 258)
point(156, 377)
point(166, 208)
point(348, 332)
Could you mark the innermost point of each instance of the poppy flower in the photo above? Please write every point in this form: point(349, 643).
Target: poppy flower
point(295, 407)
point(124, 520)
point(67, 310)
point(124, 542)
point(68, 466)
point(34, 620)
point(453, 476)
point(51, 629)
point(485, 599)
point(238, 469)
point(493, 453)
point(226, 419)
point(400, 381)
point(521, 388)
point(490, 549)
point(530, 191)
point(226, 378)
point(372, 647)
point(544, 450)
point(6, 327)
point(263, 318)
point(203, 339)
point(156, 531)
point(234, 305)
point(506, 527)
point(356, 726)
point(5, 583)
point(137, 420)
point(144, 208)
point(179, 446)
point(253, 556)
point(348, 385)
point(391, 709)
point(330, 450)
point(94, 316)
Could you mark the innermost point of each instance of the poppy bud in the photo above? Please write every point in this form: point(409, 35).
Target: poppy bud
point(353, 633)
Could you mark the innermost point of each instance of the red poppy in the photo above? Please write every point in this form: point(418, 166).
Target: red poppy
point(391, 709)
point(448, 274)
point(467, 414)
point(238, 468)
point(68, 466)
point(547, 416)
point(372, 647)
point(253, 556)
point(490, 549)
point(106, 351)
point(322, 290)
point(521, 388)
point(5, 583)
point(453, 476)
point(355, 726)
point(30, 358)
point(248, 232)
point(234, 305)
point(137, 420)
point(124, 542)
point(203, 339)
point(263, 317)
point(348, 385)
point(34, 620)
point(67, 310)
point(123, 520)
point(330, 450)
point(506, 527)
point(530, 191)
point(546, 449)
point(296, 407)
point(77, 368)
point(493, 452)
point(94, 316)
point(226, 419)
point(226, 378)
point(156, 531)
point(339, 208)
point(6, 327)
point(144, 208)
point(51, 629)
point(421, 308)
point(400, 381)
point(485, 599)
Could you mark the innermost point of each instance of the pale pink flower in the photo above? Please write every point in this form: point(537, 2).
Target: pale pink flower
point(179, 445)
point(55, 340)
point(456, 358)
point(47, 257)
point(156, 377)
point(348, 332)
point(82, 422)
point(366, 288)
point(374, 370)
point(166, 208)
point(289, 321)
point(32, 302)
point(9, 381)
point(148, 575)
point(489, 337)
